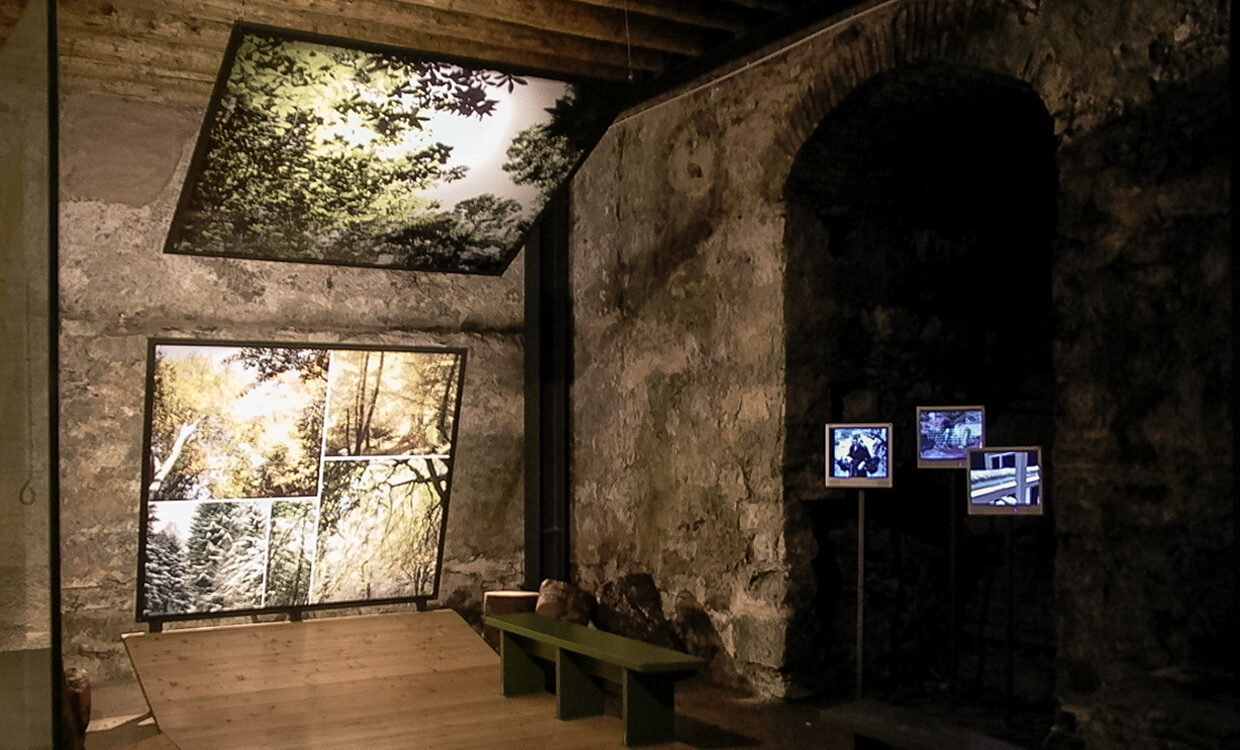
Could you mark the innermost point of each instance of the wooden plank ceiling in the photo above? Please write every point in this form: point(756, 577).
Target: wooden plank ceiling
point(170, 50)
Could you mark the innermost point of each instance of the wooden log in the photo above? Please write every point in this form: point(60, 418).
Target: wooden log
point(75, 692)
point(505, 603)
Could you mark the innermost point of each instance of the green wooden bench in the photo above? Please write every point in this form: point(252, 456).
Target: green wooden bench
point(873, 725)
point(646, 674)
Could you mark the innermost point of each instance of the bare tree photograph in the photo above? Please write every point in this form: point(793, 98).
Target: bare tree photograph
point(391, 403)
point(327, 151)
point(380, 523)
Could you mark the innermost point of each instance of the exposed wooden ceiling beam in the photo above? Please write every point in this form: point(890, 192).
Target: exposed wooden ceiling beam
point(127, 22)
point(702, 13)
point(579, 19)
point(771, 6)
point(134, 81)
point(325, 16)
point(177, 45)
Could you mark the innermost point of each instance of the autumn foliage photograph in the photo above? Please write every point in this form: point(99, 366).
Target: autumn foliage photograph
point(285, 476)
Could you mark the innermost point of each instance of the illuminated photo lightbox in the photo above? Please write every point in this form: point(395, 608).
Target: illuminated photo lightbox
point(281, 476)
point(317, 149)
point(858, 455)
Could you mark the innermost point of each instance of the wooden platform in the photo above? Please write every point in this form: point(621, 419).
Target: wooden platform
point(25, 699)
point(423, 681)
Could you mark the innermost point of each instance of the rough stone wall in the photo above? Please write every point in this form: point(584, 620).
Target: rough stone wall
point(24, 186)
point(676, 260)
point(677, 401)
point(1144, 362)
point(123, 162)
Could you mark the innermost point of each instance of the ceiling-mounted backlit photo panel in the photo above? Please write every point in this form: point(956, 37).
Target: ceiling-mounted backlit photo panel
point(321, 150)
point(285, 477)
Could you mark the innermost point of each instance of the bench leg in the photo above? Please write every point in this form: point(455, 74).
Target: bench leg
point(520, 674)
point(576, 693)
point(648, 708)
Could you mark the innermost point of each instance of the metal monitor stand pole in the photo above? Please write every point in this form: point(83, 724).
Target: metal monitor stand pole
point(1011, 637)
point(860, 586)
point(952, 653)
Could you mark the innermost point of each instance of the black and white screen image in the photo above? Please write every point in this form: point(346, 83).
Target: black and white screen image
point(1005, 481)
point(946, 434)
point(294, 476)
point(326, 151)
point(858, 455)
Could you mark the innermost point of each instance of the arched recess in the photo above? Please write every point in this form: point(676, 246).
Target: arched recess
point(920, 216)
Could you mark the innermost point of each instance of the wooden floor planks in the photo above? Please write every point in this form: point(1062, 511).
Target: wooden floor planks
point(417, 681)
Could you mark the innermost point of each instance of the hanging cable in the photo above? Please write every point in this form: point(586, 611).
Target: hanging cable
point(628, 44)
point(27, 495)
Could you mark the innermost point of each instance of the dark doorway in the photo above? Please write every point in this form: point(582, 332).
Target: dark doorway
point(920, 219)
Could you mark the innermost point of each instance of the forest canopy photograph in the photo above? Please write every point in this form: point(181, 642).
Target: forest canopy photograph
point(320, 152)
point(289, 476)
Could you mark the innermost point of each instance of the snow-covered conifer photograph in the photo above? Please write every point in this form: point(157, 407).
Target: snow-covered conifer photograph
point(205, 556)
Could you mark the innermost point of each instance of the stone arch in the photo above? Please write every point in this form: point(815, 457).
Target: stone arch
point(989, 37)
point(988, 34)
point(926, 196)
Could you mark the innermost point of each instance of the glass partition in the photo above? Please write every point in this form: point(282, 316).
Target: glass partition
point(28, 632)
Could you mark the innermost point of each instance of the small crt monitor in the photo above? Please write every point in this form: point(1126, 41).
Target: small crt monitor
point(859, 455)
point(1005, 481)
point(946, 434)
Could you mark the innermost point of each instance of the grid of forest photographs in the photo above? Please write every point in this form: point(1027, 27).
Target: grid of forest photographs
point(283, 476)
point(328, 151)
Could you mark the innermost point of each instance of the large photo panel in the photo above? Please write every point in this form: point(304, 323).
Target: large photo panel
point(324, 150)
point(282, 477)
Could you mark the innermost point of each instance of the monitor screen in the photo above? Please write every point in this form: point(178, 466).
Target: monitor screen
point(1006, 481)
point(946, 434)
point(858, 455)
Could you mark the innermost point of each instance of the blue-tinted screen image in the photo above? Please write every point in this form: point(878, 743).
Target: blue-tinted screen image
point(860, 452)
point(946, 435)
point(1005, 481)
